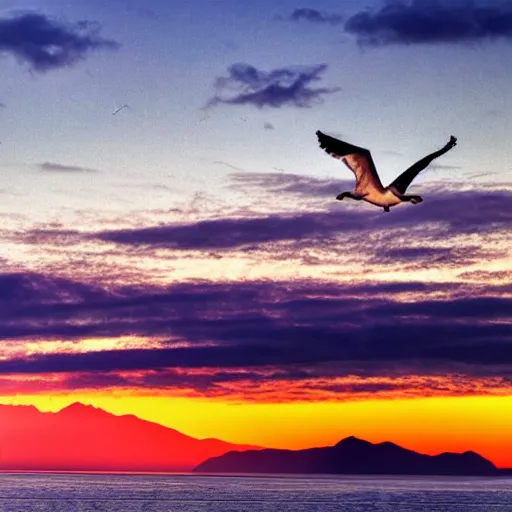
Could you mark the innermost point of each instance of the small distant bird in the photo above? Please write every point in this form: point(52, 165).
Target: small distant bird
point(368, 185)
point(119, 109)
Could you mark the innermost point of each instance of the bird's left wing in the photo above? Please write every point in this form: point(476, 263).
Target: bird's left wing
point(358, 160)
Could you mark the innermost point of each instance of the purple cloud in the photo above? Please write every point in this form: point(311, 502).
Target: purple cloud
point(32, 288)
point(431, 22)
point(454, 213)
point(409, 236)
point(254, 384)
point(236, 233)
point(315, 16)
point(263, 324)
point(246, 85)
point(45, 44)
point(431, 256)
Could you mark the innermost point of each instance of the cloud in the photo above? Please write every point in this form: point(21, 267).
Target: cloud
point(295, 330)
point(24, 288)
point(290, 184)
point(46, 44)
point(453, 228)
point(454, 207)
point(431, 256)
point(431, 22)
point(453, 213)
point(487, 275)
point(314, 16)
point(265, 385)
point(443, 167)
point(226, 164)
point(236, 233)
point(52, 167)
point(291, 86)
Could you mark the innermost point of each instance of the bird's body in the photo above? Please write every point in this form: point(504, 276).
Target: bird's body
point(386, 198)
point(368, 185)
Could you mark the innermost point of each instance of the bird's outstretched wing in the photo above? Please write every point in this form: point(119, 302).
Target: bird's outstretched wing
point(402, 182)
point(358, 160)
point(119, 109)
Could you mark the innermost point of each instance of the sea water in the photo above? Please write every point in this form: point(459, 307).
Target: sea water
point(190, 493)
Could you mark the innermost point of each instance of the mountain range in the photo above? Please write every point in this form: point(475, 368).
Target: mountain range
point(84, 438)
point(350, 456)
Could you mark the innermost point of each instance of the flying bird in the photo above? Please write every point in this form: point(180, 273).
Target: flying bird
point(368, 185)
point(119, 109)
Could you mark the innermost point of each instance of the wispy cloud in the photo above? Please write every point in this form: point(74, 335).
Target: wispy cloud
point(226, 164)
point(45, 44)
point(282, 183)
point(444, 167)
point(452, 212)
point(315, 16)
point(421, 22)
point(53, 167)
point(430, 256)
point(290, 86)
point(453, 228)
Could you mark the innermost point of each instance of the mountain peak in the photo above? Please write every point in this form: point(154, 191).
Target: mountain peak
point(352, 441)
point(77, 407)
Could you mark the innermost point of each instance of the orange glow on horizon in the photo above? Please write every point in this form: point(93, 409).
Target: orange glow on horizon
point(428, 425)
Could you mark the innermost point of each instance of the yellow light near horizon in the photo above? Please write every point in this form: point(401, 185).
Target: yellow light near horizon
point(429, 425)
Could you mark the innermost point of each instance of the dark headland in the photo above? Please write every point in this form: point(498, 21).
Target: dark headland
point(84, 438)
point(350, 456)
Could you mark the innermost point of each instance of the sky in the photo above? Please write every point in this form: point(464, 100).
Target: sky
point(183, 257)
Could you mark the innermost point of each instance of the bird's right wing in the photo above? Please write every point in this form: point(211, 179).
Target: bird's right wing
point(402, 182)
point(358, 160)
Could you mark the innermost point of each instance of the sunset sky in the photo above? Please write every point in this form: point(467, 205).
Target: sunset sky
point(184, 258)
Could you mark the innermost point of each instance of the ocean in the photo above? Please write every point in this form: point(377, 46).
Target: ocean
point(46, 492)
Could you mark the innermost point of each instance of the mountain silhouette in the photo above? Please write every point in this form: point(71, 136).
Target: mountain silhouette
point(84, 438)
point(350, 456)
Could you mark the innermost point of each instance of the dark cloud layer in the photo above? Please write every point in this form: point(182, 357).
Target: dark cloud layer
point(315, 16)
point(46, 44)
point(23, 289)
point(280, 325)
point(292, 86)
point(236, 233)
point(431, 21)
